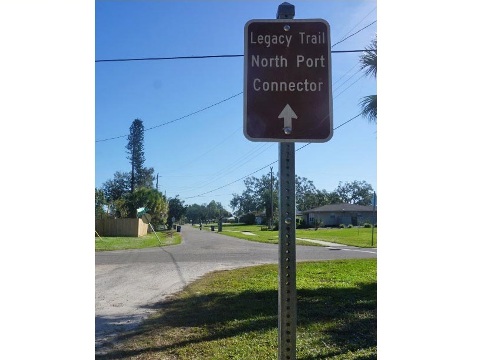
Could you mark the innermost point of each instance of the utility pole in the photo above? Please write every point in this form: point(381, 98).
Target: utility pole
point(157, 182)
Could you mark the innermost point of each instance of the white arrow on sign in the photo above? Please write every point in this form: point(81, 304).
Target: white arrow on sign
point(287, 114)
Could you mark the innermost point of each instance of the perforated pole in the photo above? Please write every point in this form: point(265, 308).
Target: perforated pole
point(287, 281)
point(287, 289)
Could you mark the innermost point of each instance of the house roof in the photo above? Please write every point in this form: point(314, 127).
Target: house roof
point(340, 207)
point(260, 214)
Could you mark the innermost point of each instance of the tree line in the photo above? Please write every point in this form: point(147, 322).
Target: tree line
point(261, 195)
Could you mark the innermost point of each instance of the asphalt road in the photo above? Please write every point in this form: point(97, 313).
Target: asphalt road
point(129, 283)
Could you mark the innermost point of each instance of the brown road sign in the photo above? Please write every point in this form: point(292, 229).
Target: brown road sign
point(287, 81)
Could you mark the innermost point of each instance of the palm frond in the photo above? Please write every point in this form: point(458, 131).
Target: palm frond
point(368, 60)
point(369, 107)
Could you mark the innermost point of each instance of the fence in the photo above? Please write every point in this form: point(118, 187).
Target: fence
point(121, 227)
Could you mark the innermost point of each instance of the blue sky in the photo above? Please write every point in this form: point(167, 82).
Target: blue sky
point(204, 156)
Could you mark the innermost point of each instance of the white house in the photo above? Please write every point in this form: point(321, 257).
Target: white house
point(336, 214)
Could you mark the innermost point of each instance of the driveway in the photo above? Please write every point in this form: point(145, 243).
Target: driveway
point(129, 283)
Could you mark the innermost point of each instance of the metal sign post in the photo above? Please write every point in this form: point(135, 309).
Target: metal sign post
point(287, 284)
point(287, 264)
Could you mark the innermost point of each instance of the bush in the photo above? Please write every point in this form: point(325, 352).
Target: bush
point(341, 226)
point(367, 225)
point(350, 226)
point(248, 219)
point(302, 225)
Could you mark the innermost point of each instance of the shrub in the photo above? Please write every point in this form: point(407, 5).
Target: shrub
point(302, 225)
point(341, 226)
point(367, 225)
point(248, 219)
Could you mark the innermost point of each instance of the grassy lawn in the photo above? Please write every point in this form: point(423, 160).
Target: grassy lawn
point(147, 241)
point(361, 237)
point(233, 315)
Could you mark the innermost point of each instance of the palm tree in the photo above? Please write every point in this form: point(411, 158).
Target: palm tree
point(368, 63)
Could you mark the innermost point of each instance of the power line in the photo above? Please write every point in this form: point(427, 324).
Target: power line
point(169, 58)
point(345, 74)
point(358, 71)
point(349, 86)
point(211, 149)
point(201, 56)
point(344, 38)
point(236, 165)
point(180, 118)
point(373, 22)
point(235, 181)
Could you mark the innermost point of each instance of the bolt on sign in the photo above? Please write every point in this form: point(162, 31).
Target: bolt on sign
point(287, 81)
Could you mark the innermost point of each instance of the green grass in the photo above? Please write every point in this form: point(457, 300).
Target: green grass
point(233, 315)
point(239, 231)
point(361, 237)
point(147, 241)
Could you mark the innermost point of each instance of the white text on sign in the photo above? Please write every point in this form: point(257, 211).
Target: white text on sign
point(305, 39)
point(281, 61)
point(305, 85)
point(302, 38)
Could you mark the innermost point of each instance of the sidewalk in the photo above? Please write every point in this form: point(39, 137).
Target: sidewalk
point(326, 243)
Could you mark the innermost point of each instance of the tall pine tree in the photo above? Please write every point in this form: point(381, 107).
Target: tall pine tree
point(135, 151)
